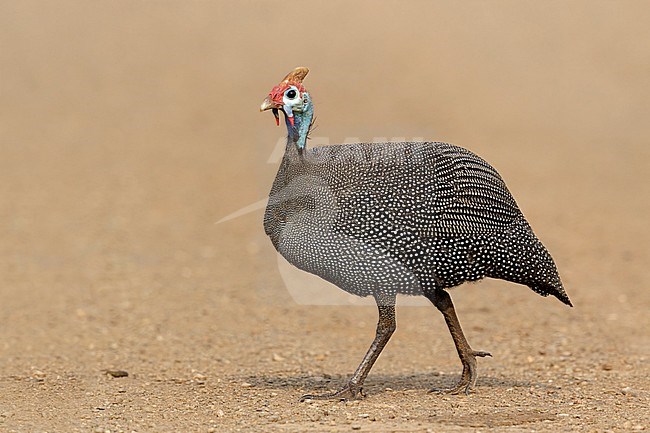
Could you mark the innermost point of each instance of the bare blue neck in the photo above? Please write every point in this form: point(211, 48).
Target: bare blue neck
point(302, 122)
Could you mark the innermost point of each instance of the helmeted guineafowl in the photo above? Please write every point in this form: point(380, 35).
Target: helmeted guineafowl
point(378, 219)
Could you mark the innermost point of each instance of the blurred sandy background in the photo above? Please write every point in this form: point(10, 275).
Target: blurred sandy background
point(128, 128)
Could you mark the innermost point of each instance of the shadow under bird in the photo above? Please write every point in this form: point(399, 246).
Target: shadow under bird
point(378, 219)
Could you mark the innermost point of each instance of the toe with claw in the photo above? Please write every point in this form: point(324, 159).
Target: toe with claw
point(348, 392)
point(468, 378)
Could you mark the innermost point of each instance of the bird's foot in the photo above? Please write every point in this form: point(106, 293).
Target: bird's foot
point(468, 378)
point(348, 392)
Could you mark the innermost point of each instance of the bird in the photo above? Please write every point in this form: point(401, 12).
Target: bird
point(410, 218)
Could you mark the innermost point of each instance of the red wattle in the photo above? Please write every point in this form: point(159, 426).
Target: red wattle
point(291, 120)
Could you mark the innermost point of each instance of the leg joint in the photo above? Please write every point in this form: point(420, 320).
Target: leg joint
point(441, 299)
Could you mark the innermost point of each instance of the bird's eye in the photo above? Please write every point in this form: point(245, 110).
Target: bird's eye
point(291, 94)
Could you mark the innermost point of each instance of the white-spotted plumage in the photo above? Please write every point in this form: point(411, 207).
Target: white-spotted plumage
point(403, 218)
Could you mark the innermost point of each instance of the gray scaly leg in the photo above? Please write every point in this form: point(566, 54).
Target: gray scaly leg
point(385, 328)
point(442, 301)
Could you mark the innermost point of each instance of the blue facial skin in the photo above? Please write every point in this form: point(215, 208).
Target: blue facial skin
point(302, 122)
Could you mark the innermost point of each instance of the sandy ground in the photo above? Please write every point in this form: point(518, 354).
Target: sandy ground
point(129, 128)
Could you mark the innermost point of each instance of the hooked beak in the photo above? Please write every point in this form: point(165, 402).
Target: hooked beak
point(268, 104)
